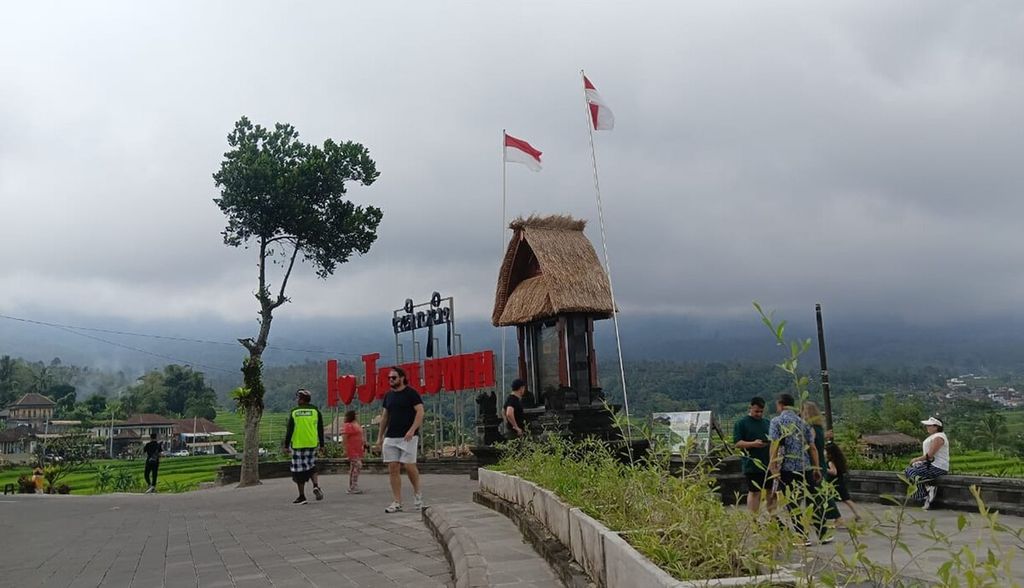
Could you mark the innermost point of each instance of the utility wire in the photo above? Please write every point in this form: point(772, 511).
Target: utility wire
point(136, 349)
point(167, 338)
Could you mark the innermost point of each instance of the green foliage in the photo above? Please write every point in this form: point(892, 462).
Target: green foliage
point(187, 472)
point(278, 190)
point(679, 522)
point(992, 429)
point(333, 450)
point(175, 391)
point(104, 478)
point(74, 452)
point(790, 362)
point(96, 404)
point(177, 487)
point(249, 398)
point(271, 428)
point(8, 384)
point(976, 463)
point(125, 481)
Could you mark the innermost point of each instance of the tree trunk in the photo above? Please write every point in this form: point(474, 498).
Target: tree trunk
point(250, 475)
point(252, 379)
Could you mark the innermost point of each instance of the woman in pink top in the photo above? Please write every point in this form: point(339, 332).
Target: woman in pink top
point(354, 449)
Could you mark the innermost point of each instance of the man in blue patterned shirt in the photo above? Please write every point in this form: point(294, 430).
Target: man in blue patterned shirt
point(792, 443)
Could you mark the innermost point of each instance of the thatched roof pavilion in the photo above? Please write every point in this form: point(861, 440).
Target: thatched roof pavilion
point(550, 268)
point(886, 444)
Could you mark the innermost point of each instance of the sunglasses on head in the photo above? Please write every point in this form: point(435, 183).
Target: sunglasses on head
point(392, 377)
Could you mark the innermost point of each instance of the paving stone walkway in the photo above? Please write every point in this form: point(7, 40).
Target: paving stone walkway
point(926, 555)
point(226, 537)
point(511, 562)
point(254, 537)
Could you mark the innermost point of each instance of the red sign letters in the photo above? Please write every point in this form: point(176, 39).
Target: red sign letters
point(470, 371)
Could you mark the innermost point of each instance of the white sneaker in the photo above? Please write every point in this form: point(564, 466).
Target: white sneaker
point(929, 496)
point(393, 507)
point(151, 490)
point(419, 501)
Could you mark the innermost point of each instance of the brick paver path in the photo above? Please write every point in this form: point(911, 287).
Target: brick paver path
point(923, 563)
point(226, 537)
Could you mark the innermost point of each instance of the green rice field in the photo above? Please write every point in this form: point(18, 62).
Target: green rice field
point(986, 463)
point(177, 474)
point(272, 427)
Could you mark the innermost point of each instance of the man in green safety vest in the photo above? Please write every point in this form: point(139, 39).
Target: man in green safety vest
point(303, 438)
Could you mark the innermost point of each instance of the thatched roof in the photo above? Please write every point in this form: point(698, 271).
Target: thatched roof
point(550, 267)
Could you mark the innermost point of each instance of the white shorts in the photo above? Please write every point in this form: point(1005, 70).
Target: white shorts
point(400, 450)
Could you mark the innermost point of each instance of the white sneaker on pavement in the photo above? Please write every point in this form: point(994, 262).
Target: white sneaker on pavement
point(419, 502)
point(393, 507)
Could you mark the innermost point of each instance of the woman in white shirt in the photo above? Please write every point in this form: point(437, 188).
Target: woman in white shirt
point(933, 462)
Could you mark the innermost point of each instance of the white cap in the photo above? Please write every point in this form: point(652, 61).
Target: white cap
point(932, 421)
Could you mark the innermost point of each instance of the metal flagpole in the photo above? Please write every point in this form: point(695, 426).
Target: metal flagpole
point(501, 253)
point(607, 265)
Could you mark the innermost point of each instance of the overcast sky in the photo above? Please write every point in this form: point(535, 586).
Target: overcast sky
point(867, 155)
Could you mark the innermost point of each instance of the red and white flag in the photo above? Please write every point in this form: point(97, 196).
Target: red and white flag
point(600, 115)
point(519, 151)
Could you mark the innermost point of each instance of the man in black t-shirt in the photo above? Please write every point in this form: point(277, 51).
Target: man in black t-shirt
point(398, 439)
point(152, 451)
point(513, 410)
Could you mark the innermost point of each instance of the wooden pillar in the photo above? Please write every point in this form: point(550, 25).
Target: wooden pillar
point(521, 336)
point(592, 355)
point(563, 359)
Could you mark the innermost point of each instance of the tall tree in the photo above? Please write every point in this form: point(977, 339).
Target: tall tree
point(8, 385)
point(287, 198)
point(992, 429)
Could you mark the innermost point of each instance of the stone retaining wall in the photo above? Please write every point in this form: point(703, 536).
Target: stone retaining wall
point(1005, 495)
point(230, 474)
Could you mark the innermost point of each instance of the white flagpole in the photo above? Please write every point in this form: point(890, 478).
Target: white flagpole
point(501, 253)
point(607, 265)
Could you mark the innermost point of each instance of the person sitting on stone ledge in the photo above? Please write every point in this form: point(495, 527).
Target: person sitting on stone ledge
point(933, 463)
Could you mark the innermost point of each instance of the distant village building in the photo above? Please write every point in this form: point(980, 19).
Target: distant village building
point(884, 445)
point(133, 432)
point(198, 435)
point(18, 444)
point(32, 409)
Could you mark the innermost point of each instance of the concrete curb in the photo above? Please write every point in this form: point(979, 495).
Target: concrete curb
point(469, 568)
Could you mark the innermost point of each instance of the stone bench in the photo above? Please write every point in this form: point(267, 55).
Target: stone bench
point(1005, 495)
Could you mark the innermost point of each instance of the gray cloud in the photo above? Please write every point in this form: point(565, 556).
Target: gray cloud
point(861, 154)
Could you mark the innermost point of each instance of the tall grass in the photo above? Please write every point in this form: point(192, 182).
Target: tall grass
point(678, 522)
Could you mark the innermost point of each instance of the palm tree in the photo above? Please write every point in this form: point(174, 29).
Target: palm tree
point(992, 429)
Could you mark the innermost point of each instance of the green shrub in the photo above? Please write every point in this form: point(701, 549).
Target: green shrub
point(678, 521)
point(104, 478)
point(125, 481)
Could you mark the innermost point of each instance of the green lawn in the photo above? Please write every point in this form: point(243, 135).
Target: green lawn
point(176, 473)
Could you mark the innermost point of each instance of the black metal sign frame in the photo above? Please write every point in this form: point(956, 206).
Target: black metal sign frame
point(436, 313)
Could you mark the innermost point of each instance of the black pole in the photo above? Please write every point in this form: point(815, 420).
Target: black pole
point(824, 369)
